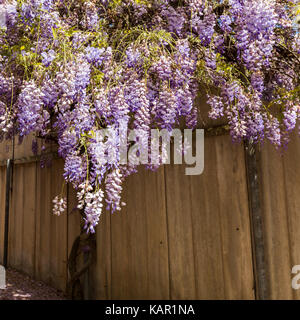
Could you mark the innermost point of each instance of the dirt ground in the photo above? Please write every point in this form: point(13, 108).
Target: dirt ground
point(21, 287)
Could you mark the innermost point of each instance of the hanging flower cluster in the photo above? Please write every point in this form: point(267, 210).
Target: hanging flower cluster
point(70, 68)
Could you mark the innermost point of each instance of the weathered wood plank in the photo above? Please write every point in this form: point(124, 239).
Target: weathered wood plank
point(29, 218)
point(101, 271)
point(58, 231)
point(139, 240)
point(23, 149)
point(234, 219)
point(292, 188)
point(6, 150)
point(209, 230)
point(16, 219)
point(276, 224)
point(43, 224)
point(180, 234)
point(2, 210)
point(281, 205)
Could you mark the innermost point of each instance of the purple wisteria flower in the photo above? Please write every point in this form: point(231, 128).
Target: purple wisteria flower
point(48, 57)
point(71, 70)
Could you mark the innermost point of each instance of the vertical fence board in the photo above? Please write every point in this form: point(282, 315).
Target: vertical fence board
point(281, 207)
point(11, 231)
point(276, 224)
point(6, 150)
point(180, 234)
point(2, 210)
point(58, 230)
point(29, 218)
point(43, 236)
point(101, 270)
point(234, 219)
point(209, 230)
point(24, 149)
point(139, 240)
point(16, 217)
point(292, 189)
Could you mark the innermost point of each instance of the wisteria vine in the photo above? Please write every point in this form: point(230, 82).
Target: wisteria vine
point(71, 68)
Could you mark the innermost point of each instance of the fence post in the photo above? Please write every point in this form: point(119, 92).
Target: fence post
point(262, 288)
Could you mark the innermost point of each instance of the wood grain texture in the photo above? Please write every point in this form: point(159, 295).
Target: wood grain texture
point(29, 218)
point(51, 231)
point(23, 149)
point(140, 268)
point(6, 150)
point(101, 271)
point(2, 210)
point(281, 207)
point(292, 187)
point(43, 224)
point(22, 231)
point(178, 237)
point(16, 230)
point(234, 218)
point(58, 229)
point(209, 228)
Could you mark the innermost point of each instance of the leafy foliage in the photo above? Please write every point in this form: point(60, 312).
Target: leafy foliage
point(71, 68)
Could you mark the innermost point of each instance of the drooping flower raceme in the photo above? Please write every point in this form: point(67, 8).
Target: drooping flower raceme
point(72, 70)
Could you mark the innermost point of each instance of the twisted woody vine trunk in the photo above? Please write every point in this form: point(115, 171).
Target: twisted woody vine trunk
point(81, 258)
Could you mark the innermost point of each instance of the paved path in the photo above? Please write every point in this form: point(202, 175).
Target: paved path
point(22, 287)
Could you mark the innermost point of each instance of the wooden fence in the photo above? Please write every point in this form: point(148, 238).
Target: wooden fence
point(179, 237)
